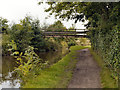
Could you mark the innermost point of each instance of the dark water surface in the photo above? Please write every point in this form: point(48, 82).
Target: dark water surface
point(9, 77)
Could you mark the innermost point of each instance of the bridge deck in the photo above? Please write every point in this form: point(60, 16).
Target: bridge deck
point(82, 36)
point(66, 33)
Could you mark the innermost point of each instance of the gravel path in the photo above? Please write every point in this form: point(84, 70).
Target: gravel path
point(86, 73)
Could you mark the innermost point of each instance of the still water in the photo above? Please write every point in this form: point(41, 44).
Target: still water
point(9, 79)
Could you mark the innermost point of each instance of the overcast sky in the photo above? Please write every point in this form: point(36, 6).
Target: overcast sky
point(14, 10)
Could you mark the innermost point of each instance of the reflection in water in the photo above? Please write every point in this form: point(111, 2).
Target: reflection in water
point(52, 56)
point(9, 77)
point(10, 84)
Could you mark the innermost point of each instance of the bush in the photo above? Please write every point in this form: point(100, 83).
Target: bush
point(22, 34)
point(107, 44)
point(28, 62)
point(28, 33)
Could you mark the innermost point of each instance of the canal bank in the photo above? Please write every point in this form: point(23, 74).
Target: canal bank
point(10, 79)
point(58, 75)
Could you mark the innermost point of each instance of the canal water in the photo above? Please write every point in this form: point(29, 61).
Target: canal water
point(9, 79)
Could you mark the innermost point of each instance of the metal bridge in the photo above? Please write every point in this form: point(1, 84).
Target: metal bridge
point(66, 33)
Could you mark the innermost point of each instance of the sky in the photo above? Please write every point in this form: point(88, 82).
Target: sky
point(14, 10)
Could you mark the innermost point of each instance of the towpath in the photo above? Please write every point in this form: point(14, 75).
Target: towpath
point(86, 73)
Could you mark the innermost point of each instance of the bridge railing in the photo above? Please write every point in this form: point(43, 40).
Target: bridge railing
point(65, 32)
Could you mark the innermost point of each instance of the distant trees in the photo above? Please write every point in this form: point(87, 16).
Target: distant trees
point(57, 26)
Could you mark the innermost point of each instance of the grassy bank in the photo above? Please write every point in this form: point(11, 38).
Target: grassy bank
point(58, 75)
point(106, 79)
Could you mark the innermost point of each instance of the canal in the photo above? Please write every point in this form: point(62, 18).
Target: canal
point(10, 79)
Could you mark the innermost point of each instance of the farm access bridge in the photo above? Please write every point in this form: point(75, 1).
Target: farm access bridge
point(66, 33)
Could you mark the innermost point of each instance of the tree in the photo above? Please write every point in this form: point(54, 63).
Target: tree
point(38, 40)
point(22, 33)
point(3, 25)
point(81, 11)
point(57, 26)
point(28, 33)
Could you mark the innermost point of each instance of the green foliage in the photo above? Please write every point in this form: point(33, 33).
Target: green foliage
point(27, 62)
point(5, 41)
point(83, 41)
point(57, 26)
point(105, 38)
point(71, 42)
point(38, 40)
point(3, 25)
point(105, 74)
point(22, 34)
point(28, 33)
point(107, 44)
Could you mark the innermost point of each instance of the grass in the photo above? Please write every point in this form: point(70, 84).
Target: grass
point(58, 75)
point(106, 79)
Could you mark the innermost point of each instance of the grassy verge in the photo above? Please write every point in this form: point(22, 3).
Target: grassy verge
point(58, 75)
point(106, 80)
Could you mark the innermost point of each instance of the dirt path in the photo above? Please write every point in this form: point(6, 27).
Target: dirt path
point(86, 73)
